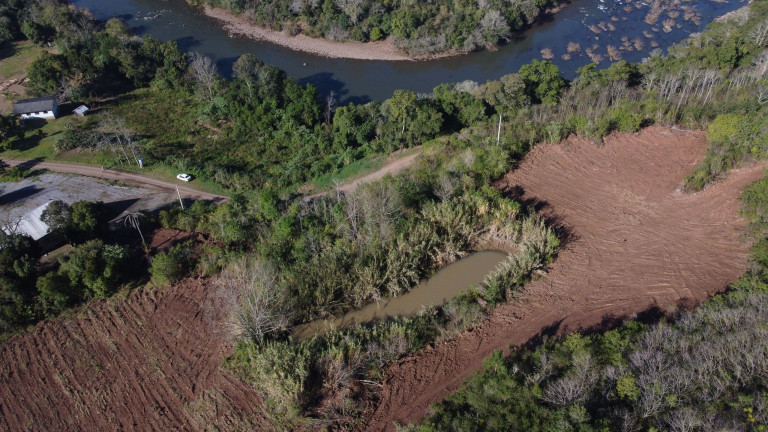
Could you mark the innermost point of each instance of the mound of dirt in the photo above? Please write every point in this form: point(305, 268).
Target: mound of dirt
point(636, 242)
point(151, 361)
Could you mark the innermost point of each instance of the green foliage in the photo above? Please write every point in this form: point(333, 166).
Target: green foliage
point(78, 223)
point(420, 28)
point(75, 136)
point(45, 74)
point(543, 82)
point(95, 269)
point(169, 267)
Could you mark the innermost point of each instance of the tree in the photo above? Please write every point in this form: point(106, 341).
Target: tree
point(204, 76)
point(58, 216)
point(400, 105)
point(46, 73)
point(18, 263)
point(78, 223)
point(543, 82)
point(119, 137)
point(134, 220)
point(246, 71)
point(94, 269)
point(168, 268)
point(7, 126)
point(265, 306)
point(509, 92)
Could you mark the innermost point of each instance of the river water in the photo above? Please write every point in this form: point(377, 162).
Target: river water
point(438, 290)
point(586, 22)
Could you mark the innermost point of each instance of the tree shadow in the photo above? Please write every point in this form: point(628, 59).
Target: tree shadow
point(187, 43)
point(225, 66)
point(326, 83)
point(115, 209)
point(7, 50)
point(541, 207)
point(19, 194)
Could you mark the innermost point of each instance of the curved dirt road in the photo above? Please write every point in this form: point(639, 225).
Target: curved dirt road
point(636, 242)
point(393, 167)
point(114, 174)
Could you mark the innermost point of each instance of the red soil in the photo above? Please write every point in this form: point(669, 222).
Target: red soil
point(636, 241)
point(151, 361)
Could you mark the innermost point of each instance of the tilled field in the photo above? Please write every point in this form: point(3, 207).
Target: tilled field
point(151, 361)
point(636, 242)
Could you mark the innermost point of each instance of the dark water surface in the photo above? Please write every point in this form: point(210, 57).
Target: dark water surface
point(364, 80)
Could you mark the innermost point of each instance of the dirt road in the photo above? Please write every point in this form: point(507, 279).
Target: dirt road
point(123, 176)
point(393, 167)
point(636, 242)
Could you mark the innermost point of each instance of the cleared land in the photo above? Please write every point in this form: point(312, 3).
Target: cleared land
point(636, 242)
point(152, 360)
point(16, 199)
point(123, 176)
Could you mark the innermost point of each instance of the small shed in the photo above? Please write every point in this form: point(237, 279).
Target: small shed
point(81, 110)
point(43, 107)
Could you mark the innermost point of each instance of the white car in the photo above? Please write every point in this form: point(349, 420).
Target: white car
point(184, 177)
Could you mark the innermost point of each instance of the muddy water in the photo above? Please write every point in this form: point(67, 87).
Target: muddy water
point(443, 286)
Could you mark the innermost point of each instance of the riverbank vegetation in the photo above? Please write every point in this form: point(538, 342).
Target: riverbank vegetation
point(417, 28)
point(701, 370)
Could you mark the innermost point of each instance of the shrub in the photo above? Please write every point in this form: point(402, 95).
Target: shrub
point(169, 267)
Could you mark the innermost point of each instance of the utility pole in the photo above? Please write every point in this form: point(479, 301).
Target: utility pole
point(179, 194)
point(498, 134)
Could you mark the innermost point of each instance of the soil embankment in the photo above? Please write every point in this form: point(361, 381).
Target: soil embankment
point(636, 242)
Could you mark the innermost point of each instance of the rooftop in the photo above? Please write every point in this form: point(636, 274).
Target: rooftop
point(41, 104)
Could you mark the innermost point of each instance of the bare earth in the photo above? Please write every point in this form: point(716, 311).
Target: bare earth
point(151, 361)
point(637, 242)
point(123, 176)
point(393, 167)
point(381, 50)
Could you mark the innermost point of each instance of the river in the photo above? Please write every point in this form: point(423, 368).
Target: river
point(586, 22)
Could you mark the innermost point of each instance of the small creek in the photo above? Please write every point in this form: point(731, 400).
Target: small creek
point(438, 290)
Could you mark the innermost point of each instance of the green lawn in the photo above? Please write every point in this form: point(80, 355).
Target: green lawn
point(15, 56)
point(38, 140)
point(40, 137)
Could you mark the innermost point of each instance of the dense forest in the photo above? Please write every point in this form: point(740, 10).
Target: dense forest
point(704, 370)
point(289, 261)
point(419, 28)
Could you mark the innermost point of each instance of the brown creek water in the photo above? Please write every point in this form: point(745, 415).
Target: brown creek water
point(438, 290)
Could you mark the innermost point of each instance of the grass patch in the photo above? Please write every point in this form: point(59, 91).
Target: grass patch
point(355, 169)
point(15, 56)
point(37, 141)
